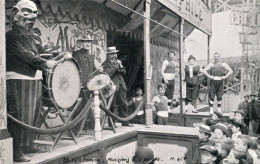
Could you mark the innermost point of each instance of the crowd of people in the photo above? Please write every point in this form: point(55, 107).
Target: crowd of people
point(232, 141)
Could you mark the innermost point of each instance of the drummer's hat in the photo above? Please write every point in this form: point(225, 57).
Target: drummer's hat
point(85, 37)
point(111, 50)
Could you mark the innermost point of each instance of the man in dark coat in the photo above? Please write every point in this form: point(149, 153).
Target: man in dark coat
point(86, 64)
point(114, 68)
point(254, 112)
point(84, 58)
point(244, 107)
point(24, 84)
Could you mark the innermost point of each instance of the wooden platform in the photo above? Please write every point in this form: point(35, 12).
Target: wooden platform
point(120, 147)
point(68, 150)
point(196, 119)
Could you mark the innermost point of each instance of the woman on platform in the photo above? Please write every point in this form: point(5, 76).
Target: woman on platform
point(168, 72)
point(192, 73)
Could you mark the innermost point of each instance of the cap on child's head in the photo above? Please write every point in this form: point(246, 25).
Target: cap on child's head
point(218, 114)
point(205, 129)
point(209, 148)
point(143, 154)
point(240, 112)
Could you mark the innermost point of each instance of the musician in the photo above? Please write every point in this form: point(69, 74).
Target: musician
point(24, 84)
point(217, 74)
point(86, 64)
point(114, 68)
point(84, 58)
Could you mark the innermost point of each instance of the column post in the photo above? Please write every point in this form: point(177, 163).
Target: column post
point(6, 142)
point(147, 64)
point(98, 133)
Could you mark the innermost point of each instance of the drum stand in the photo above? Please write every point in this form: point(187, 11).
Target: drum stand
point(108, 106)
point(106, 117)
point(80, 131)
point(63, 120)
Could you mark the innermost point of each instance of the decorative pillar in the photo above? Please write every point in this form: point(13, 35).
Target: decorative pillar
point(147, 64)
point(98, 133)
point(6, 142)
point(208, 57)
point(181, 63)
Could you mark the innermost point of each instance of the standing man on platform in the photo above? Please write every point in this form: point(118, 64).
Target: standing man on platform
point(86, 64)
point(84, 58)
point(217, 74)
point(168, 72)
point(24, 78)
point(114, 68)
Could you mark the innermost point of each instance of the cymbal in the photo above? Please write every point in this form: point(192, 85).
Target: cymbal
point(51, 49)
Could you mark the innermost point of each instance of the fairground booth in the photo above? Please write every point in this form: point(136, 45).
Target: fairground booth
point(143, 31)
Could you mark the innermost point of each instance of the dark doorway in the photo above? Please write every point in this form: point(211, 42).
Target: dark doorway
point(131, 54)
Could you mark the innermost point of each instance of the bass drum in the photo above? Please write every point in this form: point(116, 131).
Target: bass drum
point(61, 84)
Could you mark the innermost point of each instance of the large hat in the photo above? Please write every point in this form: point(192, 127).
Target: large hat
point(85, 38)
point(221, 127)
point(209, 148)
point(191, 57)
point(143, 154)
point(204, 128)
point(111, 50)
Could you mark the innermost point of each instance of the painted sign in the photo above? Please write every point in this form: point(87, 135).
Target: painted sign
point(171, 153)
point(193, 11)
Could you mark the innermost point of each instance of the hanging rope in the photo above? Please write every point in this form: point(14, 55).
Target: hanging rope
point(111, 114)
point(58, 129)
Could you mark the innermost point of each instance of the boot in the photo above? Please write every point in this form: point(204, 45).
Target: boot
point(194, 109)
point(19, 156)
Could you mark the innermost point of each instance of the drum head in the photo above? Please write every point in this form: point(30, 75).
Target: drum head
point(98, 82)
point(66, 83)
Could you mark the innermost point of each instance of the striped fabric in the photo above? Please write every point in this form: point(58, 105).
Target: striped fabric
point(24, 103)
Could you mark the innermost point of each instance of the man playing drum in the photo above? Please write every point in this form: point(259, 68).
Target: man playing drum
point(84, 58)
point(217, 74)
point(114, 68)
point(24, 84)
point(86, 64)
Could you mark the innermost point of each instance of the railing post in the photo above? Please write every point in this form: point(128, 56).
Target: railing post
point(98, 134)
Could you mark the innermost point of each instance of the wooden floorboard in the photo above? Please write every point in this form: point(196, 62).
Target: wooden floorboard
point(86, 143)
